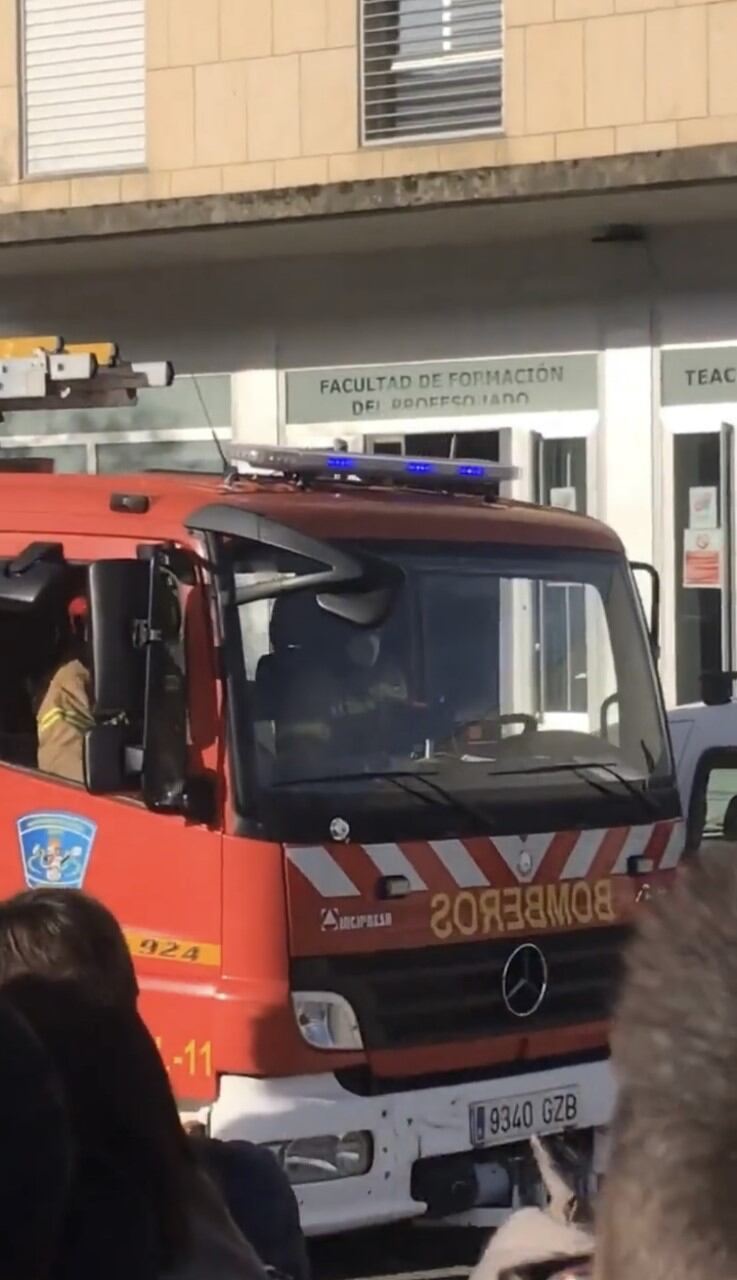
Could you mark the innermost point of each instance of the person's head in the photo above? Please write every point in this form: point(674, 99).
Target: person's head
point(667, 1206)
point(65, 965)
point(364, 648)
point(132, 1158)
point(64, 933)
point(36, 1147)
point(77, 615)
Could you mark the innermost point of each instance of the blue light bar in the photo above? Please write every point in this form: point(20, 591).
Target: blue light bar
point(441, 473)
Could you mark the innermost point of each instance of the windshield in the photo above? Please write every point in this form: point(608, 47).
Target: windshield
point(499, 672)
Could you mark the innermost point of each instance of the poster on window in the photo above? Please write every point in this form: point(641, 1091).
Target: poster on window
point(702, 507)
point(702, 557)
point(563, 496)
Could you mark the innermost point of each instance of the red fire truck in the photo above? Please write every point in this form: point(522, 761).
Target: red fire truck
point(374, 874)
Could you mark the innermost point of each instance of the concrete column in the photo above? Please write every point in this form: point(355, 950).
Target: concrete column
point(256, 394)
point(625, 498)
point(516, 450)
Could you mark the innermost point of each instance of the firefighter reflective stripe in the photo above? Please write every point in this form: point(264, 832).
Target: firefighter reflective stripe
point(62, 720)
point(336, 871)
point(67, 715)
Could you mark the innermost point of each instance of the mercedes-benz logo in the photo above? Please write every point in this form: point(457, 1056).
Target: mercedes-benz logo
point(525, 980)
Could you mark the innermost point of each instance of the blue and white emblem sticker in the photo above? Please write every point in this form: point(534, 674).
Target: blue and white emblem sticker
point(55, 849)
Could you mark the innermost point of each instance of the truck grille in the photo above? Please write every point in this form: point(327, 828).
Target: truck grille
point(434, 995)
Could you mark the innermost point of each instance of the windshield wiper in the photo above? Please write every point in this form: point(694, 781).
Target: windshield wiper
point(548, 768)
point(436, 795)
point(579, 768)
point(440, 797)
point(639, 793)
point(368, 775)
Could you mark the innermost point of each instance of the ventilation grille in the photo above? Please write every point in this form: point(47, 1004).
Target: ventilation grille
point(83, 85)
point(430, 68)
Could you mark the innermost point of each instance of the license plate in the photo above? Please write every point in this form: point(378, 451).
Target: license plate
point(523, 1115)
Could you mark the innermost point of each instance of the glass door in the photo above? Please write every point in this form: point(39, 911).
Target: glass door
point(563, 685)
point(701, 518)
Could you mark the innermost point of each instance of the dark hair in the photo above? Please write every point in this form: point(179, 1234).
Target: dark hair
point(63, 933)
point(35, 1143)
point(667, 1206)
point(133, 1161)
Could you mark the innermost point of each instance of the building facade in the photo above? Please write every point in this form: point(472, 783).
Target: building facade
point(134, 100)
point(441, 226)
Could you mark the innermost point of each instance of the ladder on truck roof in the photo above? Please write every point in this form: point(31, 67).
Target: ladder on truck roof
point(47, 373)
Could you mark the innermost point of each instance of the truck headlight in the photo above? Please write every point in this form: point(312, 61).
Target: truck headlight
point(326, 1020)
point(325, 1159)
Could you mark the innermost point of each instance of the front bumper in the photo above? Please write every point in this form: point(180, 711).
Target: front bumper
point(407, 1127)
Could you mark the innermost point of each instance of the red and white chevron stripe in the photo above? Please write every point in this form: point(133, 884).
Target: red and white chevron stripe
point(348, 871)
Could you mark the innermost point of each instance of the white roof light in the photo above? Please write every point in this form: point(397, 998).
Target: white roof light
point(443, 473)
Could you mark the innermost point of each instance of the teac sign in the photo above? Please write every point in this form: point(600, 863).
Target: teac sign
point(699, 375)
point(447, 389)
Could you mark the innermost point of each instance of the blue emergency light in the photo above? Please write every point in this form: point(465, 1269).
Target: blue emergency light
point(316, 464)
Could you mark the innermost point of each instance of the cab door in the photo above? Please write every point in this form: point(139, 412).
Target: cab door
point(159, 872)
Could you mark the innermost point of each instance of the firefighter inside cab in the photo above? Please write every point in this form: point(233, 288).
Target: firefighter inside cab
point(62, 701)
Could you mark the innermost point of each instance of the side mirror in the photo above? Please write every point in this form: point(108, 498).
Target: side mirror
point(164, 780)
point(638, 566)
point(35, 579)
point(368, 603)
point(138, 674)
point(716, 687)
point(354, 586)
point(104, 759)
point(363, 609)
point(119, 600)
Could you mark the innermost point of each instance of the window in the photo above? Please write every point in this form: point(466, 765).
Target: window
point(170, 428)
point(83, 85)
point(440, 444)
point(713, 809)
point(431, 68)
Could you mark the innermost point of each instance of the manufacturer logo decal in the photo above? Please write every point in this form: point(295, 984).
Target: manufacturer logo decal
point(331, 921)
point(55, 849)
point(525, 980)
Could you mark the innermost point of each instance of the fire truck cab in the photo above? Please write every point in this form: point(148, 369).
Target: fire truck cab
point(375, 898)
